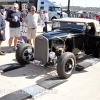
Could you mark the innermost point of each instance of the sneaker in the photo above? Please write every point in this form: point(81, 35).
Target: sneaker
point(2, 53)
point(15, 48)
point(9, 50)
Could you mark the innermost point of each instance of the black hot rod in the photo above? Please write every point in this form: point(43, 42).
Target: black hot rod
point(70, 38)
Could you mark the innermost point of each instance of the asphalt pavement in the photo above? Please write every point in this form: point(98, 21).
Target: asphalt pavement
point(84, 85)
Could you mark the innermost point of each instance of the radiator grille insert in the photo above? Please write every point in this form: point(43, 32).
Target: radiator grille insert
point(41, 49)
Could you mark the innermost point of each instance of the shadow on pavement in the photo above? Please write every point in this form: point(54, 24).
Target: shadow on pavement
point(4, 48)
point(29, 71)
point(78, 72)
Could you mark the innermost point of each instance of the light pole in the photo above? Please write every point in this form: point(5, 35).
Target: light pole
point(99, 4)
point(68, 10)
point(20, 4)
point(85, 3)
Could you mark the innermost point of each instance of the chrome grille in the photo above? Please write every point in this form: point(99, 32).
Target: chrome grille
point(41, 49)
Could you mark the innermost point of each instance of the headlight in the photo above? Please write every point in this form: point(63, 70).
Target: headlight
point(52, 55)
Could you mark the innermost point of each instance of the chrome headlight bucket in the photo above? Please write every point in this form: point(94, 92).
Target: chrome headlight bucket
point(52, 55)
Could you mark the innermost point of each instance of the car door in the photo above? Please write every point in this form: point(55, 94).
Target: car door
point(92, 44)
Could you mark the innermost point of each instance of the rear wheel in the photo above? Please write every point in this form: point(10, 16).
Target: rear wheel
point(66, 65)
point(24, 53)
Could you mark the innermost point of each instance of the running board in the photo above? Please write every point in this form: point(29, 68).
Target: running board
point(86, 63)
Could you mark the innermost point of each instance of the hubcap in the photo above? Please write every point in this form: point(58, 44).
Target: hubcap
point(27, 54)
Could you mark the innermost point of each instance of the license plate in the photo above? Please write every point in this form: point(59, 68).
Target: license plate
point(36, 62)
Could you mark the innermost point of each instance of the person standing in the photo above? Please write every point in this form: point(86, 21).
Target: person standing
point(61, 15)
point(45, 20)
point(23, 27)
point(94, 17)
point(14, 17)
point(3, 11)
point(2, 32)
point(82, 16)
point(32, 20)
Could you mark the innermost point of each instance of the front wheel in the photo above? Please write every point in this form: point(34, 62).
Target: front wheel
point(24, 53)
point(66, 65)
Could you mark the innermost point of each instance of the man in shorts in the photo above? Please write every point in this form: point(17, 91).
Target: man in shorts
point(32, 21)
point(14, 17)
point(2, 32)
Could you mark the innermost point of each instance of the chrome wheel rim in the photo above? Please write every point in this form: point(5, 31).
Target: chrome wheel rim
point(28, 54)
point(69, 66)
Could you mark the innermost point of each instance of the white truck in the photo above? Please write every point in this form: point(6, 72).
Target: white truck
point(54, 10)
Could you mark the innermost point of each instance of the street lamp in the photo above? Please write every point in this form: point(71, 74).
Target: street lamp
point(68, 10)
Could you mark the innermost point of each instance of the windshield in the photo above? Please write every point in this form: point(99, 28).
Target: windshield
point(57, 8)
point(55, 24)
point(65, 25)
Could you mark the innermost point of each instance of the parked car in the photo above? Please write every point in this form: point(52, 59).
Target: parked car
point(98, 17)
point(69, 39)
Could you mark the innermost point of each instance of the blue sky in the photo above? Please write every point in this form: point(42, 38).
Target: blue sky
point(84, 3)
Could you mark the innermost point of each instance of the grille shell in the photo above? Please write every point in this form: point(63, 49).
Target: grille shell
point(41, 49)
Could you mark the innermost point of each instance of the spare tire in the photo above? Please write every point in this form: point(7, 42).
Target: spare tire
point(23, 55)
point(66, 64)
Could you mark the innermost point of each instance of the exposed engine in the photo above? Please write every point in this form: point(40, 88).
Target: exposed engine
point(59, 46)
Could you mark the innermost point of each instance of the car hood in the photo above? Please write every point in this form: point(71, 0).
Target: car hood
point(55, 34)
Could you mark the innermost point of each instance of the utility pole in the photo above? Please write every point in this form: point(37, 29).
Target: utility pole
point(68, 10)
point(20, 4)
point(35, 3)
point(85, 3)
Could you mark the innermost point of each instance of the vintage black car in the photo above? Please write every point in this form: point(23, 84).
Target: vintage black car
point(70, 38)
